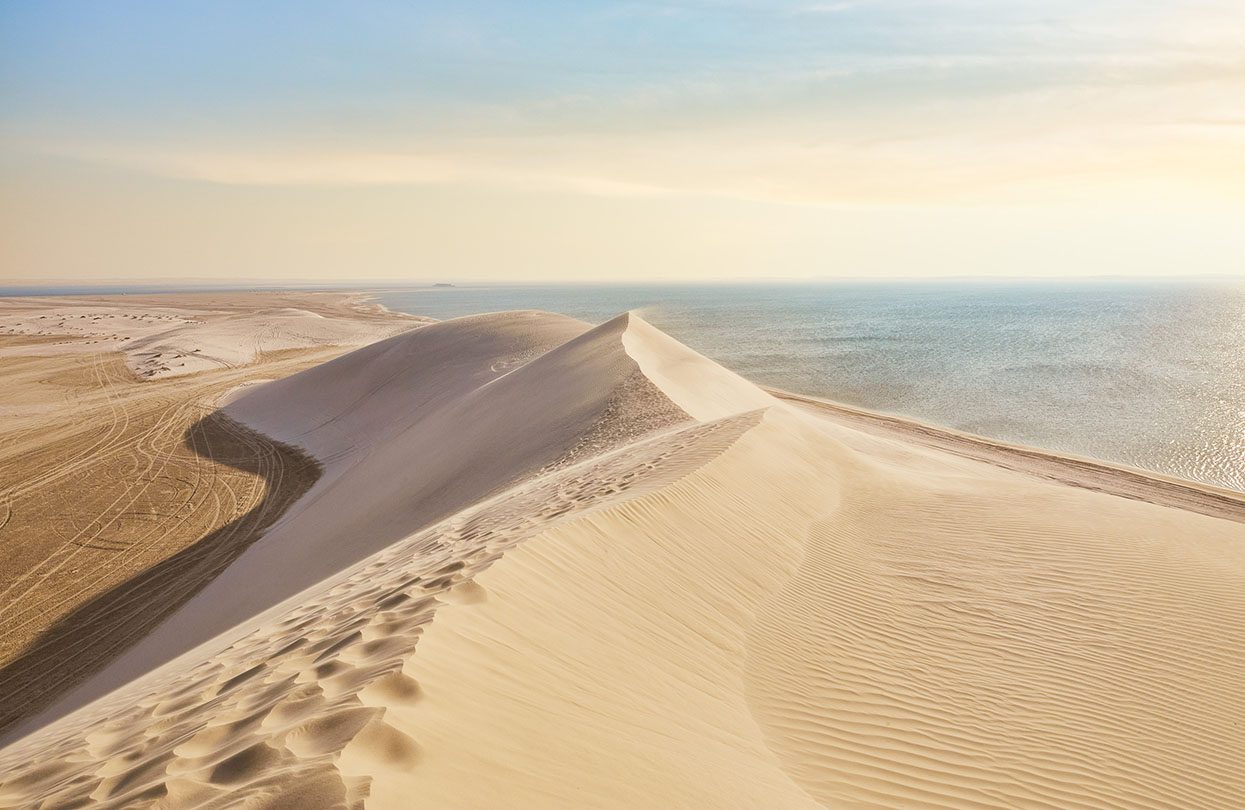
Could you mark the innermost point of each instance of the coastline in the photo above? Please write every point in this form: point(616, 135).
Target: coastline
point(1089, 473)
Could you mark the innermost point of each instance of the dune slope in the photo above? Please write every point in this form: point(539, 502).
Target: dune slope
point(692, 595)
point(411, 430)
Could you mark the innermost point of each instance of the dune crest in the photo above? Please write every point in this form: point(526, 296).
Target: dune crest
point(575, 566)
point(695, 383)
point(410, 430)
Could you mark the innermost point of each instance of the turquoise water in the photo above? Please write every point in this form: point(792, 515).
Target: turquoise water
point(1151, 375)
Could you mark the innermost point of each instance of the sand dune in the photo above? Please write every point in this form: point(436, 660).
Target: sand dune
point(411, 430)
point(550, 565)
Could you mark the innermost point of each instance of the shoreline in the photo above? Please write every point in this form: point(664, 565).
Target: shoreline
point(1082, 471)
point(367, 302)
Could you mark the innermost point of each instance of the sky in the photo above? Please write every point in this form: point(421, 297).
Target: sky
point(629, 141)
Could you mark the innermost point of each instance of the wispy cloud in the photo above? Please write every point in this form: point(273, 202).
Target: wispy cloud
point(793, 159)
point(943, 120)
point(690, 105)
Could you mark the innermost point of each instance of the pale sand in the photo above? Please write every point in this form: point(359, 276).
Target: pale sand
point(173, 335)
point(548, 566)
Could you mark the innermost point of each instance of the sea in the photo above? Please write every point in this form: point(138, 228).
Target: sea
point(1148, 374)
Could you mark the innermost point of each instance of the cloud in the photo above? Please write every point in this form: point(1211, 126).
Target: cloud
point(859, 101)
point(814, 9)
point(951, 161)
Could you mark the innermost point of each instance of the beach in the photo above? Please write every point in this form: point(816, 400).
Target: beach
point(297, 550)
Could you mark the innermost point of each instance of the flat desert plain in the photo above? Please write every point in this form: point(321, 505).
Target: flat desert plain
point(519, 560)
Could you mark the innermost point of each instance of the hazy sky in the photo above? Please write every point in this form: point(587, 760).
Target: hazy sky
point(607, 141)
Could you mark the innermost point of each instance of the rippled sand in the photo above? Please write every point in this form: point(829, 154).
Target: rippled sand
point(548, 565)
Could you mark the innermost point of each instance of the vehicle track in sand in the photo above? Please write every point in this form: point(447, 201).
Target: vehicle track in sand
point(160, 421)
point(117, 424)
point(119, 499)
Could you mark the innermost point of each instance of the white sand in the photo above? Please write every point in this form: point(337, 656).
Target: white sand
point(550, 567)
point(165, 341)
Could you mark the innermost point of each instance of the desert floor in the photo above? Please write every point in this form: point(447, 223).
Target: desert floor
point(122, 488)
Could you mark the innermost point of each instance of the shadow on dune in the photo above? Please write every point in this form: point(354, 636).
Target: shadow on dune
point(87, 638)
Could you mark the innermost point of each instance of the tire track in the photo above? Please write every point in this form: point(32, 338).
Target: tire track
point(271, 465)
point(169, 424)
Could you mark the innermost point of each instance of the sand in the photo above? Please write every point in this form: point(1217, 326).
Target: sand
point(549, 565)
point(170, 336)
point(123, 492)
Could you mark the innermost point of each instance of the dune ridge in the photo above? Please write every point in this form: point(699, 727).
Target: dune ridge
point(668, 588)
point(410, 430)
